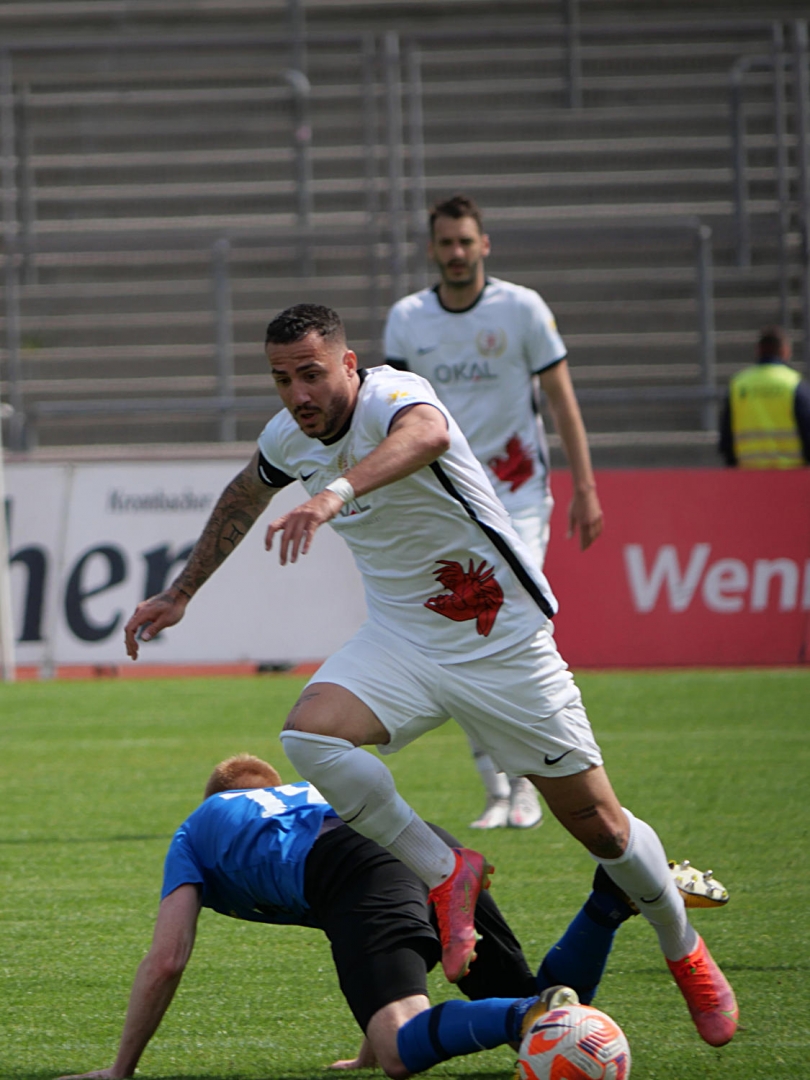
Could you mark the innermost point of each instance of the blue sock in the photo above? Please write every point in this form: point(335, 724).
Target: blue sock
point(579, 957)
point(460, 1027)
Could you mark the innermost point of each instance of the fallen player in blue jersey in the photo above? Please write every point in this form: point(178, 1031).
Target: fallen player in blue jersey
point(259, 850)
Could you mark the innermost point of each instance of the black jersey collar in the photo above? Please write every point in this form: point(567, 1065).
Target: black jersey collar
point(460, 311)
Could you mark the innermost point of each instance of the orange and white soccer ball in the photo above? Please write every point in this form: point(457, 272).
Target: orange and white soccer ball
point(574, 1042)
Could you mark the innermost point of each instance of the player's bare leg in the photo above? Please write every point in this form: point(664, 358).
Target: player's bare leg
point(380, 1044)
point(632, 855)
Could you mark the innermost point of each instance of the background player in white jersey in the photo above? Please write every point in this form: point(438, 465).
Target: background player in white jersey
point(484, 344)
point(458, 627)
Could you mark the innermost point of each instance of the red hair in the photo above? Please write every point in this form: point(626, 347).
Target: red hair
point(241, 771)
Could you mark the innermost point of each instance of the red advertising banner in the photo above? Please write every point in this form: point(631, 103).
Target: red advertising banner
point(695, 567)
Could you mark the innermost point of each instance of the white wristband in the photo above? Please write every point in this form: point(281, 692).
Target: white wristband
point(342, 488)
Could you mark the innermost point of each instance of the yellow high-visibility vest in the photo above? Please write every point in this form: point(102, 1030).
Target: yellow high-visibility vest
point(763, 421)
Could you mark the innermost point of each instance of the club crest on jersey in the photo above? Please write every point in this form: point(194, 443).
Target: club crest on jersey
point(515, 467)
point(491, 342)
point(397, 395)
point(473, 593)
point(343, 463)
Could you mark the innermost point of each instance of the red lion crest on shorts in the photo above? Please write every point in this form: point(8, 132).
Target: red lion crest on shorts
point(473, 594)
point(516, 468)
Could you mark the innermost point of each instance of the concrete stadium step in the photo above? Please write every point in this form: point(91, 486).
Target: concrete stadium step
point(194, 318)
point(160, 390)
point(630, 183)
point(205, 150)
point(174, 171)
point(170, 141)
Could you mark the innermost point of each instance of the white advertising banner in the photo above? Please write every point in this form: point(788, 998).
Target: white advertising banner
point(89, 541)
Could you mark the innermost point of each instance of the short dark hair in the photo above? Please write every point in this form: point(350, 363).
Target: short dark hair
point(296, 322)
point(772, 341)
point(457, 206)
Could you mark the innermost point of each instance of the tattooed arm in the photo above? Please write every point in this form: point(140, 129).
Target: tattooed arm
point(242, 501)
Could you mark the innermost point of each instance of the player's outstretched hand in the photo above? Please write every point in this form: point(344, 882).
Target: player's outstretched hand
point(298, 527)
point(153, 615)
point(366, 1059)
point(585, 514)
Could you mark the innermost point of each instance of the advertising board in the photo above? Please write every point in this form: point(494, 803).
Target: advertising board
point(695, 567)
point(88, 542)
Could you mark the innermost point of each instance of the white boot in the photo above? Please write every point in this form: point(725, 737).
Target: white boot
point(524, 806)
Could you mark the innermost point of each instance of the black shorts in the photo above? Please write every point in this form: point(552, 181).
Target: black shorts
point(375, 913)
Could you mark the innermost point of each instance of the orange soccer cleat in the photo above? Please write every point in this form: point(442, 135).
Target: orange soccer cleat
point(454, 903)
point(709, 997)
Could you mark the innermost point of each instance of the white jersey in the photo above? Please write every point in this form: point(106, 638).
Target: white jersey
point(480, 362)
point(441, 564)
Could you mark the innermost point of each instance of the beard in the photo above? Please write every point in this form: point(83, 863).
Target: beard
point(332, 418)
point(454, 282)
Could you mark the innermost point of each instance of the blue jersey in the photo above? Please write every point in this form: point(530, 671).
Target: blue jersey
point(247, 850)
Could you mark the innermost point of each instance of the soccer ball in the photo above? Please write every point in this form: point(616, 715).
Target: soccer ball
point(574, 1042)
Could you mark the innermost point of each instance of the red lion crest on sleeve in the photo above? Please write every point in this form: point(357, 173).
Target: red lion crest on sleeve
point(516, 467)
point(472, 594)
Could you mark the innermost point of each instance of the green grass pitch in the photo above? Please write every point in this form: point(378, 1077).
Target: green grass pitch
point(97, 775)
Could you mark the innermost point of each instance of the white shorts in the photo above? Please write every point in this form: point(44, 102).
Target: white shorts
point(520, 705)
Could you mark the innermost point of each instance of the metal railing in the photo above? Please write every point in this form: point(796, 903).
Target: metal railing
point(802, 84)
point(19, 231)
point(780, 62)
point(18, 185)
point(706, 391)
point(574, 34)
point(401, 223)
point(573, 37)
point(226, 406)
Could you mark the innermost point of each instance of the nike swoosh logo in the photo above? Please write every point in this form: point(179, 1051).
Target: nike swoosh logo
point(423, 350)
point(554, 760)
point(306, 476)
point(644, 900)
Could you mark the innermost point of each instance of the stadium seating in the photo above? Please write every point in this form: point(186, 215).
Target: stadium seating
point(134, 158)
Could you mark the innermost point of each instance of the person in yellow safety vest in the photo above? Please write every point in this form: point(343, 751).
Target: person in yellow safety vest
point(766, 419)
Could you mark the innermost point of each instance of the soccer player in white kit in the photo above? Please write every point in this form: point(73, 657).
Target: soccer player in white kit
point(458, 626)
point(483, 343)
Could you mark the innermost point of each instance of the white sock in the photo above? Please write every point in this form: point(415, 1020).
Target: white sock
point(361, 789)
point(642, 872)
point(495, 781)
point(424, 852)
